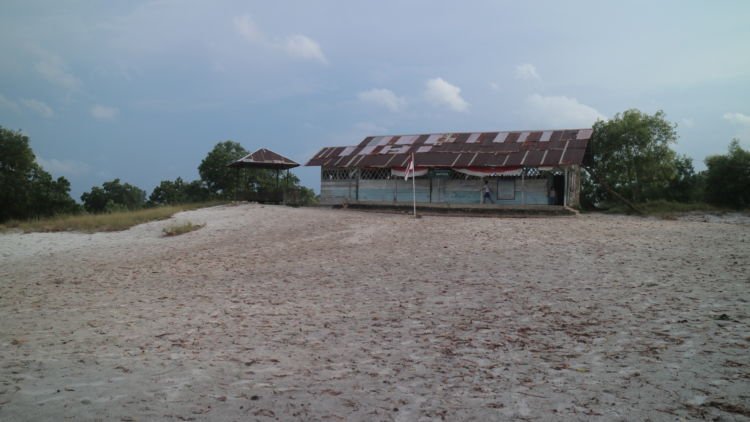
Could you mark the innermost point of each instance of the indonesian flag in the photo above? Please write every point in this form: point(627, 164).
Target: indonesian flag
point(409, 168)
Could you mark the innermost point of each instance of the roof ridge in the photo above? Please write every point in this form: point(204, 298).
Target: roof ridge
point(481, 131)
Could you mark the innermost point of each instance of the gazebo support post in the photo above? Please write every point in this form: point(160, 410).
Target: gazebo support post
point(277, 183)
point(236, 183)
point(286, 186)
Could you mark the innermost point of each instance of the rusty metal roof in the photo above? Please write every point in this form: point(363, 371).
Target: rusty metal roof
point(266, 159)
point(480, 149)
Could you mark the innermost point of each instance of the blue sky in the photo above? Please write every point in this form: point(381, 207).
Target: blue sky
point(142, 91)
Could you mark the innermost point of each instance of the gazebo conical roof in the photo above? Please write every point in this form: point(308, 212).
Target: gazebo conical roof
point(264, 159)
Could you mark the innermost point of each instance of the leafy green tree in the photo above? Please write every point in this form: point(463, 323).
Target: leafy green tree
point(728, 177)
point(26, 190)
point(16, 166)
point(113, 196)
point(178, 192)
point(168, 192)
point(196, 191)
point(95, 200)
point(49, 197)
point(219, 178)
point(687, 185)
point(631, 157)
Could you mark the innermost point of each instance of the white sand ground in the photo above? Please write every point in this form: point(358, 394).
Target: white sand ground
point(273, 313)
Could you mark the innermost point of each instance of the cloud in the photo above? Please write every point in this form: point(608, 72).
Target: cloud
point(441, 93)
point(561, 111)
point(8, 104)
point(39, 107)
point(527, 71)
point(495, 86)
point(297, 46)
point(738, 118)
point(63, 167)
point(687, 122)
point(52, 68)
point(303, 47)
point(245, 26)
point(382, 97)
point(101, 112)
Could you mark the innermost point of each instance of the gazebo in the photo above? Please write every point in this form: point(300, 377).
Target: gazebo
point(264, 159)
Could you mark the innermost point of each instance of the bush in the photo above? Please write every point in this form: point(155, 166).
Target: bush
point(178, 229)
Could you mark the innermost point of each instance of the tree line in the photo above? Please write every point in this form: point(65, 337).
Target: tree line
point(631, 159)
point(28, 191)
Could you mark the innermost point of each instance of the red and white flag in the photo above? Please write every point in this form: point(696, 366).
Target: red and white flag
point(409, 168)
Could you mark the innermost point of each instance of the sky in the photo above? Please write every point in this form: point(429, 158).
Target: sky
point(142, 91)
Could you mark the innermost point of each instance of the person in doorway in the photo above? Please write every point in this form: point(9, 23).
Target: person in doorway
point(486, 193)
point(552, 196)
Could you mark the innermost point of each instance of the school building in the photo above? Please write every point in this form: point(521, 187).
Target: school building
point(521, 168)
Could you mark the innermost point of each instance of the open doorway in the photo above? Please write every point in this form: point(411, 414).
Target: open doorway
point(558, 185)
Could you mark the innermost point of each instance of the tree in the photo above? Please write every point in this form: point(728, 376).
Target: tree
point(213, 170)
point(687, 185)
point(196, 191)
point(728, 177)
point(113, 196)
point(16, 167)
point(49, 197)
point(168, 192)
point(631, 157)
point(178, 192)
point(26, 190)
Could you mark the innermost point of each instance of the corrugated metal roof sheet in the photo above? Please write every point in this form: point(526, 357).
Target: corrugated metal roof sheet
point(478, 149)
point(264, 158)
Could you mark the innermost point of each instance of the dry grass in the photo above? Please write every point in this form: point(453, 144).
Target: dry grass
point(91, 223)
point(178, 229)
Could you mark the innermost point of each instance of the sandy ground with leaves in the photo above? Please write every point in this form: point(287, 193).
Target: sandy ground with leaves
point(273, 313)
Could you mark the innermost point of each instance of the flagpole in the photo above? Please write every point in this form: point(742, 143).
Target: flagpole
point(414, 185)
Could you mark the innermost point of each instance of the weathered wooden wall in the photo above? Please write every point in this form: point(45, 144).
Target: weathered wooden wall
point(573, 185)
point(513, 191)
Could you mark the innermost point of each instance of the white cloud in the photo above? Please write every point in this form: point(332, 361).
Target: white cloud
point(297, 46)
point(737, 118)
point(304, 47)
point(382, 97)
point(39, 107)
point(52, 68)
point(248, 29)
point(7, 103)
point(441, 93)
point(495, 86)
point(561, 111)
point(687, 122)
point(527, 71)
point(63, 167)
point(101, 112)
